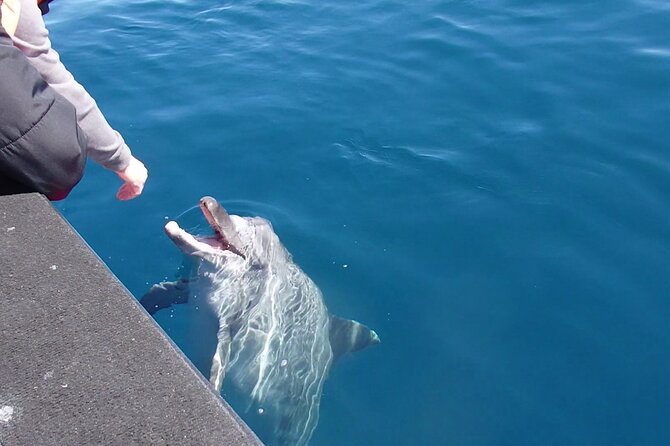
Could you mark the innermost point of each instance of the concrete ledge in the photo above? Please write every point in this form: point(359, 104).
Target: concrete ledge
point(80, 361)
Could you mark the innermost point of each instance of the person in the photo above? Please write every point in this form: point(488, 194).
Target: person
point(49, 123)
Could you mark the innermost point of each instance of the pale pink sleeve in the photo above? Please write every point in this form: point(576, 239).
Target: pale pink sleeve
point(105, 145)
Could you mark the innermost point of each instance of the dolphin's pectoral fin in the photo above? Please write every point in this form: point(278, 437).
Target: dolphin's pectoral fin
point(349, 336)
point(221, 356)
point(164, 295)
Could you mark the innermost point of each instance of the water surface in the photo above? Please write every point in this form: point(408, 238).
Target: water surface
point(484, 183)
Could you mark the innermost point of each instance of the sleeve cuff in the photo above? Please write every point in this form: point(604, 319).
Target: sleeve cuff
point(120, 160)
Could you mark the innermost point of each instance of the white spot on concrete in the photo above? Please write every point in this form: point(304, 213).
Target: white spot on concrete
point(64, 386)
point(11, 228)
point(49, 375)
point(54, 267)
point(6, 414)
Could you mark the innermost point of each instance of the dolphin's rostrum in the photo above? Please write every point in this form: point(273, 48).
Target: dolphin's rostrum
point(276, 340)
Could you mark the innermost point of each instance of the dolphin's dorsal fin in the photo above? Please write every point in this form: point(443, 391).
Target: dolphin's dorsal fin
point(164, 295)
point(349, 336)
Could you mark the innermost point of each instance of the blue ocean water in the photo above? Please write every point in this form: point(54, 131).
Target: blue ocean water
point(483, 182)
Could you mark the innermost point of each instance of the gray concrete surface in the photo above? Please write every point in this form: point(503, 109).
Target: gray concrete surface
point(81, 363)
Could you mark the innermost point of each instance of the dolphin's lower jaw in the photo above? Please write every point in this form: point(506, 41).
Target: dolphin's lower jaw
point(188, 244)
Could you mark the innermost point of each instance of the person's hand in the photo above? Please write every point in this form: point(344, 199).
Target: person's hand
point(134, 176)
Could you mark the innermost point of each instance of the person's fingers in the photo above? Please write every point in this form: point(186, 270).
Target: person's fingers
point(124, 193)
point(129, 191)
point(134, 176)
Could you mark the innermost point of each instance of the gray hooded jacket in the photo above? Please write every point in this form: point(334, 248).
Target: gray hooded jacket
point(42, 148)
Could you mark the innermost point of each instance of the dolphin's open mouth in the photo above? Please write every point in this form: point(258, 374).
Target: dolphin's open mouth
point(223, 227)
point(225, 237)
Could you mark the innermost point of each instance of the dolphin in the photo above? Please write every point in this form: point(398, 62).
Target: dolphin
point(275, 339)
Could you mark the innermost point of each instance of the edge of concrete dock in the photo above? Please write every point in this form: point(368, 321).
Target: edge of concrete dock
point(81, 362)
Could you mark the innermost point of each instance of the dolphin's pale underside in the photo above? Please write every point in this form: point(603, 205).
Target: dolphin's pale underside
point(276, 340)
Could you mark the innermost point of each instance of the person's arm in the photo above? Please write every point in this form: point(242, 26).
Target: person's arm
point(105, 145)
